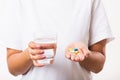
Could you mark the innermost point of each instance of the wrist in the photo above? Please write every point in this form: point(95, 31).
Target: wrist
point(26, 54)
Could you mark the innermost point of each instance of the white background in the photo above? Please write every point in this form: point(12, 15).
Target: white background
point(111, 69)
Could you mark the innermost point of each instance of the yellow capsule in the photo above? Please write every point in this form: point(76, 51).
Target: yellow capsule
point(76, 52)
point(70, 49)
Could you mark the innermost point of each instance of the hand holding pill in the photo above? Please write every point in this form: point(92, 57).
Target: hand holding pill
point(77, 51)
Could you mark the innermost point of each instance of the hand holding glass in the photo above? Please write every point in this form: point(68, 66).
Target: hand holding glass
point(45, 39)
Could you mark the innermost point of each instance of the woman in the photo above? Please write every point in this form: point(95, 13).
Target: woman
point(81, 26)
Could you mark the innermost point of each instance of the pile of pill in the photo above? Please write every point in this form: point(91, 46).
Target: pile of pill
point(74, 50)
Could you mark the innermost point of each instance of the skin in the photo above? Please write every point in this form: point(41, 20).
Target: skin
point(91, 58)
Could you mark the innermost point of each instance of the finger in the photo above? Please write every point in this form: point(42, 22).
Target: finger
point(68, 55)
point(36, 51)
point(73, 57)
point(36, 64)
point(33, 45)
point(48, 46)
point(37, 57)
point(77, 58)
point(85, 52)
point(81, 57)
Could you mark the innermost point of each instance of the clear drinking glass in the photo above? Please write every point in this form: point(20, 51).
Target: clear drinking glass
point(49, 39)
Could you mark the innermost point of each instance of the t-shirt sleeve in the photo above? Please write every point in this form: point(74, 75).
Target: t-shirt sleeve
point(10, 37)
point(99, 28)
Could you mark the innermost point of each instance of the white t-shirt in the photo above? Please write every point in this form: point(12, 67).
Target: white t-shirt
point(72, 20)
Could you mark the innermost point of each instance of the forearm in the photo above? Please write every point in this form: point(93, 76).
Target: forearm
point(94, 62)
point(19, 63)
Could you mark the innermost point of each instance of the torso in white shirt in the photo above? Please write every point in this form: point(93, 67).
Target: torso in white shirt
point(70, 19)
